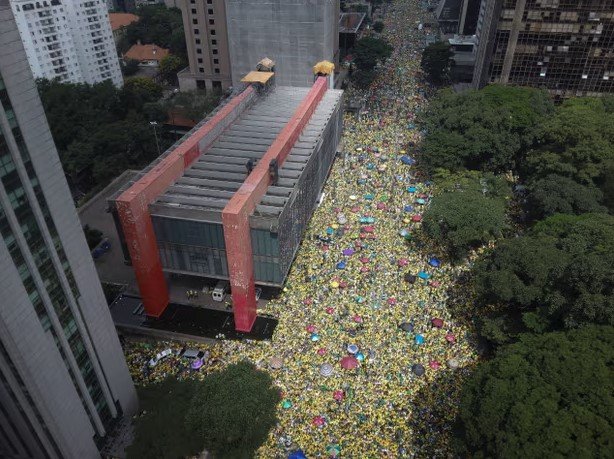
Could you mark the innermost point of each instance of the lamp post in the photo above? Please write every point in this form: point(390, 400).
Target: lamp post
point(155, 124)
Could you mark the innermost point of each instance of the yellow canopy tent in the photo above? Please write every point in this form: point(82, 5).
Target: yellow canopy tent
point(324, 67)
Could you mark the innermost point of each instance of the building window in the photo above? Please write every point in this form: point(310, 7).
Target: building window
point(197, 41)
point(214, 42)
point(201, 69)
point(194, 21)
point(216, 70)
point(216, 61)
point(212, 31)
point(200, 60)
point(209, 2)
point(199, 51)
point(196, 32)
point(210, 11)
point(214, 51)
point(211, 22)
point(200, 84)
point(193, 10)
point(217, 85)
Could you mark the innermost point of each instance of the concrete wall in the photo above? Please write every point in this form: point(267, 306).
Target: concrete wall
point(294, 33)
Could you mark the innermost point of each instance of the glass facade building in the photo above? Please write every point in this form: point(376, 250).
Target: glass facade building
point(56, 336)
point(565, 46)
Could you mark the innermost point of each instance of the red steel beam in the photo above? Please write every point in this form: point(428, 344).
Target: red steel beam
point(235, 216)
point(133, 208)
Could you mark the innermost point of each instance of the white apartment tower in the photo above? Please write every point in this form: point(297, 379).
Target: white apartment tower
point(68, 39)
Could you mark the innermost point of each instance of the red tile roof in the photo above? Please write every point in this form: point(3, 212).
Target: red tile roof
point(119, 20)
point(146, 53)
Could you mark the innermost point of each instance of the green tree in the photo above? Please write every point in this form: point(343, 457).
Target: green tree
point(363, 78)
point(194, 105)
point(607, 186)
point(485, 130)
point(436, 59)
point(548, 395)
point(93, 236)
point(378, 26)
point(369, 51)
point(160, 430)
point(463, 220)
point(234, 411)
point(559, 275)
point(169, 66)
point(572, 160)
point(158, 25)
point(130, 67)
point(489, 184)
point(558, 194)
point(100, 130)
point(137, 92)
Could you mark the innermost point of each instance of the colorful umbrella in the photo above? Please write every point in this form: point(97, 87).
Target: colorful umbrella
point(348, 362)
point(276, 363)
point(417, 369)
point(434, 262)
point(326, 369)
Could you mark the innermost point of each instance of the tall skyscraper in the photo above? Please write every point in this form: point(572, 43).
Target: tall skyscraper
point(64, 382)
point(68, 39)
point(565, 46)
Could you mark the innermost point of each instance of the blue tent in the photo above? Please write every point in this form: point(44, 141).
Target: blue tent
point(423, 275)
point(419, 339)
point(298, 454)
point(408, 160)
point(411, 189)
point(434, 262)
point(341, 265)
point(408, 208)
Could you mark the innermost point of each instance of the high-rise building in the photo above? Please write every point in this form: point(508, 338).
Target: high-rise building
point(68, 39)
point(64, 382)
point(227, 38)
point(204, 25)
point(565, 46)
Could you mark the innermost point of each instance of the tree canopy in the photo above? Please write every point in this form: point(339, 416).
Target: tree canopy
point(482, 130)
point(160, 430)
point(100, 130)
point(568, 171)
point(229, 413)
point(559, 275)
point(549, 395)
point(463, 220)
point(169, 66)
point(369, 51)
point(436, 61)
point(378, 26)
point(234, 410)
point(157, 25)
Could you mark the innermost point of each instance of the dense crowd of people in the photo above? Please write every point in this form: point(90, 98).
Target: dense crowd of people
point(365, 335)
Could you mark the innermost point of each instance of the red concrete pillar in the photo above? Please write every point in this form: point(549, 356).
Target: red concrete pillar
point(235, 216)
point(133, 204)
point(237, 234)
point(141, 240)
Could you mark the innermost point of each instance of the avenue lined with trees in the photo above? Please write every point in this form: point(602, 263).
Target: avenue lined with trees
point(531, 180)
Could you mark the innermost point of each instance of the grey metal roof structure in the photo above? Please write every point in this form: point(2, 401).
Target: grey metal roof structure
point(205, 188)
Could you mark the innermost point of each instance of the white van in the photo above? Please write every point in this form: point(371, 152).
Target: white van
point(220, 290)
